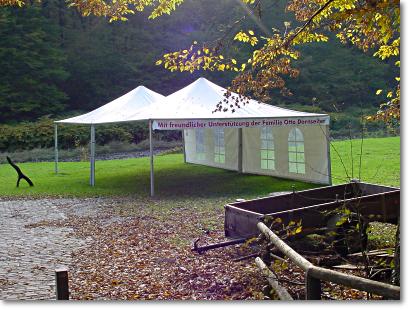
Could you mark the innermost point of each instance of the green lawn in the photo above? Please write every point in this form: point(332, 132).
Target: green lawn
point(380, 160)
point(380, 164)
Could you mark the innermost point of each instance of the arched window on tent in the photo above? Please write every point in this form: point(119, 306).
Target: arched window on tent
point(296, 148)
point(267, 149)
point(200, 143)
point(219, 143)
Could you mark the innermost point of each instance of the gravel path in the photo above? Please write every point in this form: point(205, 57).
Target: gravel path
point(32, 247)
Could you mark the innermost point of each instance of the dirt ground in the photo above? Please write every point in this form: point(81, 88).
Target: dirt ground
point(119, 249)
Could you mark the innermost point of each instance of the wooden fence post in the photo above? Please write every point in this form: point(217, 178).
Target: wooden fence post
point(62, 292)
point(313, 287)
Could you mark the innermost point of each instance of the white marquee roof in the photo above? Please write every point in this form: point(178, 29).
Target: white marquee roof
point(120, 109)
point(197, 101)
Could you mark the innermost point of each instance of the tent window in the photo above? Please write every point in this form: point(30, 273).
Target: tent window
point(296, 146)
point(219, 141)
point(267, 149)
point(200, 143)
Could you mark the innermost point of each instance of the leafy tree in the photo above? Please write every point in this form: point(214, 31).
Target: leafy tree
point(32, 66)
point(370, 25)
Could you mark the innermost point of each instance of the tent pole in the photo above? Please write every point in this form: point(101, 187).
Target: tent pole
point(329, 170)
point(151, 154)
point(183, 144)
point(55, 149)
point(92, 156)
point(240, 151)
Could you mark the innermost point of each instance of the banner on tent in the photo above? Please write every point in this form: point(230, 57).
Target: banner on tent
point(268, 122)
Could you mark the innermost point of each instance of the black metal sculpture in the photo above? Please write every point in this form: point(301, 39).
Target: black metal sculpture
point(21, 175)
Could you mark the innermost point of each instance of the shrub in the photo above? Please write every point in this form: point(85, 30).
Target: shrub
point(40, 134)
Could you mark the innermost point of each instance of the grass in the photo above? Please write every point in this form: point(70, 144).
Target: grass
point(131, 176)
point(380, 160)
point(380, 164)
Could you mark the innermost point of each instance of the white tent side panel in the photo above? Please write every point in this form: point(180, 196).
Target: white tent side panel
point(315, 163)
point(211, 155)
point(315, 153)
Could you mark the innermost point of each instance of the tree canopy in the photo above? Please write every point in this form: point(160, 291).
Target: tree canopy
point(370, 25)
point(32, 66)
point(269, 54)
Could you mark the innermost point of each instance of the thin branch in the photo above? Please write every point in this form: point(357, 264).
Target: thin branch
point(337, 153)
point(320, 10)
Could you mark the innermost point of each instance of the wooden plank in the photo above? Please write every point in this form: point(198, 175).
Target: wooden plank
point(373, 252)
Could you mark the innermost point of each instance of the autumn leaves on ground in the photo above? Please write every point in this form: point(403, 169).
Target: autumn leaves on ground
point(143, 251)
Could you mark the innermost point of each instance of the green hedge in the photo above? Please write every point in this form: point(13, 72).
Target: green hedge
point(40, 134)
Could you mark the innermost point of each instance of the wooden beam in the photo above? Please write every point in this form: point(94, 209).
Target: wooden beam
point(299, 260)
point(323, 274)
point(282, 293)
point(313, 287)
point(61, 276)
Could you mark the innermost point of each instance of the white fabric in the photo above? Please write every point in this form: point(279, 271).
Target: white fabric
point(316, 161)
point(208, 157)
point(198, 100)
point(194, 102)
point(120, 109)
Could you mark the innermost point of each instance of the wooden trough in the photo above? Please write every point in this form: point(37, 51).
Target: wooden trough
point(378, 202)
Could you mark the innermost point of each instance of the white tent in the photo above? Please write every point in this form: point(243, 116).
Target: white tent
point(256, 138)
point(116, 111)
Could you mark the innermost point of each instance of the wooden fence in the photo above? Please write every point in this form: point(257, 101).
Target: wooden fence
point(314, 275)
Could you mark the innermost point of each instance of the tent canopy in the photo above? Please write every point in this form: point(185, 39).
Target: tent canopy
point(197, 101)
point(256, 138)
point(120, 109)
